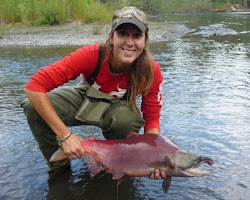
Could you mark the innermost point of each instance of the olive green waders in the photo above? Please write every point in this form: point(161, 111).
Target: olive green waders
point(116, 120)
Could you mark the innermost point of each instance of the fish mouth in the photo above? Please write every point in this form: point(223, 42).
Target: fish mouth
point(196, 171)
point(189, 164)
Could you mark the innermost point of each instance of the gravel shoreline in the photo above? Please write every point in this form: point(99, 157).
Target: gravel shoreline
point(76, 34)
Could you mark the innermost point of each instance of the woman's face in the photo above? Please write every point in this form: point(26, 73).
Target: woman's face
point(128, 42)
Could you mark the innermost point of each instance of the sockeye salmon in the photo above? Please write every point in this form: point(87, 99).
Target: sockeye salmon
point(139, 156)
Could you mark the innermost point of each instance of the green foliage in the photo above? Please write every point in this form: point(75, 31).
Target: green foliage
point(228, 1)
point(2, 30)
point(116, 4)
point(97, 30)
point(241, 2)
point(156, 7)
point(38, 12)
point(163, 7)
point(223, 5)
point(220, 5)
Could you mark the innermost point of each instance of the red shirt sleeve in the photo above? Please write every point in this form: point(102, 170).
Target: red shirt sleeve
point(83, 61)
point(152, 102)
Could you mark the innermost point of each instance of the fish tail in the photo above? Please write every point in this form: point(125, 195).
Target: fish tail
point(58, 155)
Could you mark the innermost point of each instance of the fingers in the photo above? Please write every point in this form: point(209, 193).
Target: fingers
point(74, 154)
point(80, 152)
point(152, 176)
point(163, 175)
point(72, 147)
point(77, 153)
point(157, 174)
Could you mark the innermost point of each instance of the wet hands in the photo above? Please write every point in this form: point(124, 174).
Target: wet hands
point(72, 147)
point(157, 174)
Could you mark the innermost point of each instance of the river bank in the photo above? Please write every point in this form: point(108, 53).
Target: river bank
point(77, 34)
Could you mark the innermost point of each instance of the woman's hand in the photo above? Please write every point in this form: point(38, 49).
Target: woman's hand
point(41, 102)
point(157, 174)
point(72, 147)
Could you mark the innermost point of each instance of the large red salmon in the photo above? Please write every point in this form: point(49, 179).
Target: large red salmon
point(140, 156)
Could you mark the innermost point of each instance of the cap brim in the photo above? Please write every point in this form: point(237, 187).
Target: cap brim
point(136, 22)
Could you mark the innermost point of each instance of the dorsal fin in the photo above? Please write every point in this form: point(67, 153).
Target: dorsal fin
point(167, 162)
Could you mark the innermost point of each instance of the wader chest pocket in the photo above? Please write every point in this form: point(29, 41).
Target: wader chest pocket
point(94, 106)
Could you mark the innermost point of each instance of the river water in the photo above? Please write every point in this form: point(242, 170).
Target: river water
point(206, 110)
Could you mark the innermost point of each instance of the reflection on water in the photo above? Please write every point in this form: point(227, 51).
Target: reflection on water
point(206, 110)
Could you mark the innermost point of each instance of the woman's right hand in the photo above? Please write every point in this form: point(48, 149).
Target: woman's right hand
point(72, 147)
point(41, 102)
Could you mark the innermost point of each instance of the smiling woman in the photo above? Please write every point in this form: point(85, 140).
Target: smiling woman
point(128, 42)
point(129, 51)
point(114, 74)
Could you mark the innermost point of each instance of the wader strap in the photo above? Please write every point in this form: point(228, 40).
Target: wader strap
point(102, 51)
point(125, 96)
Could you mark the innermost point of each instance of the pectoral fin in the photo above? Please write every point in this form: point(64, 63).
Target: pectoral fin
point(94, 167)
point(166, 184)
point(168, 162)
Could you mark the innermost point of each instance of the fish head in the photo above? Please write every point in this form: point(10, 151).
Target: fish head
point(186, 164)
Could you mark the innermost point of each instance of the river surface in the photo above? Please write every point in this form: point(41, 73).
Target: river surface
point(206, 110)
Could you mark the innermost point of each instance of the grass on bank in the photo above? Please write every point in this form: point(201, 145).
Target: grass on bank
point(2, 30)
point(160, 7)
point(40, 12)
point(164, 7)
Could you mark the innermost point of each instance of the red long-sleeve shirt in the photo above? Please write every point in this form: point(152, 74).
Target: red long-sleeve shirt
point(84, 61)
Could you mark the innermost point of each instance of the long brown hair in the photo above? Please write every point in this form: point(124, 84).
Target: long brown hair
point(141, 73)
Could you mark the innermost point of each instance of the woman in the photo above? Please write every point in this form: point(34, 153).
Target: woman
point(126, 71)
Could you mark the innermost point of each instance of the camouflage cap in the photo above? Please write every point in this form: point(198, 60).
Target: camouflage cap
point(131, 15)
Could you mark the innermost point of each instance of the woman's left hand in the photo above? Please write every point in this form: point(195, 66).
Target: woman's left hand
point(157, 174)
